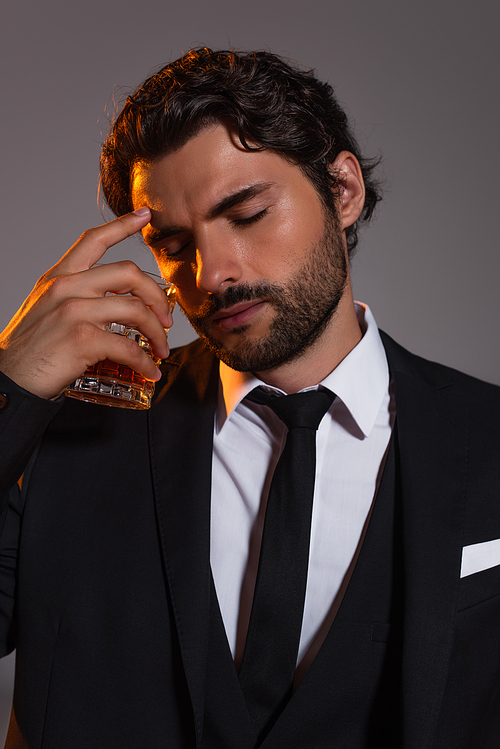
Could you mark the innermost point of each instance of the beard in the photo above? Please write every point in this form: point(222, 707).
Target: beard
point(303, 308)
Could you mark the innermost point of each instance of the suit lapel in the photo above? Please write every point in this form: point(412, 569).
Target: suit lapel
point(181, 433)
point(433, 449)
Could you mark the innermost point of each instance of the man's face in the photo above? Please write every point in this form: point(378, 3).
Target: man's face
point(259, 265)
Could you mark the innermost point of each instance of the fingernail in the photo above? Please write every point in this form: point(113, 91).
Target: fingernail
point(143, 211)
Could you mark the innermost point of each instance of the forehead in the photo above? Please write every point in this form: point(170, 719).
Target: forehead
point(210, 166)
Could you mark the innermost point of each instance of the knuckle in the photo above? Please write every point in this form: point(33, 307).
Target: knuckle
point(88, 234)
point(130, 269)
point(82, 333)
point(94, 235)
point(124, 220)
point(134, 349)
point(70, 308)
point(134, 354)
point(58, 287)
point(137, 308)
point(43, 280)
point(130, 265)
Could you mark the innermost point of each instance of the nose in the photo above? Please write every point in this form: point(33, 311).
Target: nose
point(218, 264)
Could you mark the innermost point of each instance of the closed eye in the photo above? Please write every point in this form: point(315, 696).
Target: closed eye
point(250, 220)
point(171, 250)
point(174, 252)
point(174, 249)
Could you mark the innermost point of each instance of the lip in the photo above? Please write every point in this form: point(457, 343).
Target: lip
point(238, 314)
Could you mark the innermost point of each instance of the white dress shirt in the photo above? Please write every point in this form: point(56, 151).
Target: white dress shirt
point(351, 445)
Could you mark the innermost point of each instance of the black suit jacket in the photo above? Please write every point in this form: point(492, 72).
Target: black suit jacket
point(105, 574)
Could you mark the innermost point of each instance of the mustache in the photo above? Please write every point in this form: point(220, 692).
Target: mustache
point(236, 294)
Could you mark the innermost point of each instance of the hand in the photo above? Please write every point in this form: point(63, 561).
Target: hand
point(60, 330)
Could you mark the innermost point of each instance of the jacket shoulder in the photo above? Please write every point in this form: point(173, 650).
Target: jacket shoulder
point(439, 375)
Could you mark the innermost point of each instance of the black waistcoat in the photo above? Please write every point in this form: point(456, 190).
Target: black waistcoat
point(350, 697)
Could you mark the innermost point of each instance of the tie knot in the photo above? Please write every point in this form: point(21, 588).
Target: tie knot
point(296, 410)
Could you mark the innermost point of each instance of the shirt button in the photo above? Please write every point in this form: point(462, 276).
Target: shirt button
point(4, 402)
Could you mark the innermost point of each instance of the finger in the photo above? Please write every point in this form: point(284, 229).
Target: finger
point(94, 242)
point(46, 357)
point(124, 277)
point(125, 310)
point(68, 300)
point(123, 350)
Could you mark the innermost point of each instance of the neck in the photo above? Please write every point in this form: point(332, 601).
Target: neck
point(322, 357)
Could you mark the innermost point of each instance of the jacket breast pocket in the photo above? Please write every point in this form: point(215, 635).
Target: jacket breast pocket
point(479, 587)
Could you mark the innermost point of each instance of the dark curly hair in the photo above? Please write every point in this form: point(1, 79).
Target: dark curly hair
point(270, 102)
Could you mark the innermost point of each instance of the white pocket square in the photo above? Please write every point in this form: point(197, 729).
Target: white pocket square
point(478, 557)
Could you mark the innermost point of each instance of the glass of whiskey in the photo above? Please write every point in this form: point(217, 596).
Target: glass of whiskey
point(111, 384)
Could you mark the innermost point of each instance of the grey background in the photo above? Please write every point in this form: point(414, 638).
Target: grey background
point(418, 79)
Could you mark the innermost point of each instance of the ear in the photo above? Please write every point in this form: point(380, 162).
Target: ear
point(347, 170)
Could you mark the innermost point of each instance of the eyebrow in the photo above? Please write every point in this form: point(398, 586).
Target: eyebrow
point(247, 193)
point(152, 235)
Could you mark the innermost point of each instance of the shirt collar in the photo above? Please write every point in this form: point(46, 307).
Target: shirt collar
point(360, 381)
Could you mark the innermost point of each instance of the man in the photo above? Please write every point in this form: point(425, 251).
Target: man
point(129, 555)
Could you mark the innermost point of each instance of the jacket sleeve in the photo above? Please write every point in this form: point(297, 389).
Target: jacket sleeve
point(23, 419)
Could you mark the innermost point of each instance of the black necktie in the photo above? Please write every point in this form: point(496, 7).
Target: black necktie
point(270, 655)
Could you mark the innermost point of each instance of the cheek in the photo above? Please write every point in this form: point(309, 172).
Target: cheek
point(281, 246)
point(177, 272)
